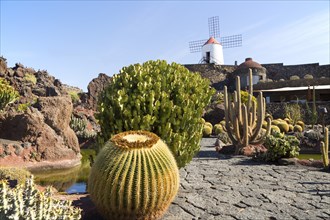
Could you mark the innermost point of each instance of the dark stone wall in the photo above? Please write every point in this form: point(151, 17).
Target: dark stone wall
point(279, 71)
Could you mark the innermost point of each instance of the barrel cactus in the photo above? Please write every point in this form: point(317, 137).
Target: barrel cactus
point(134, 176)
point(162, 98)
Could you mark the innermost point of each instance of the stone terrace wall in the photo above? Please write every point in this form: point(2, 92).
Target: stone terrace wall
point(215, 73)
point(279, 71)
point(291, 83)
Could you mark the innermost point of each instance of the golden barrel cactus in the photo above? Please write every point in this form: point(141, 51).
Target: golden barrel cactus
point(135, 176)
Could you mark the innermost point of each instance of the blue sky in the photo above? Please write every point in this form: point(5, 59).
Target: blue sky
point(77, 40)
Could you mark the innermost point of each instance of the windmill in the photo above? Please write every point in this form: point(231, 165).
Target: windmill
point(211, 49)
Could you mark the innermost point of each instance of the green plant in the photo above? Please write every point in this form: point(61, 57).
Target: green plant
point(135, 176)
point(26, 202)
point(292, 111)
point(325, 148)
point(74, 96)
point(284, 127)
point(244, 122)
point(297, 128)
point(218, 128)
point(7, 94)
point(30, 77)
point(301, 124)
point(294, 77)
point(245, 98)
point(14, 174)
point(77, 124)
point(275, 129)
point(165, 99)
point(276, 122)
point(281, 146)
point(308, 76)
point(207, 130)
point(23, 107)
point(208, 124)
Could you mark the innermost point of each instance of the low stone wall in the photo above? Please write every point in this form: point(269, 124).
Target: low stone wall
point(277, 110)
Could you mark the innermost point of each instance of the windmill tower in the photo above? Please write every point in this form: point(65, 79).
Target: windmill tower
point(212, 49)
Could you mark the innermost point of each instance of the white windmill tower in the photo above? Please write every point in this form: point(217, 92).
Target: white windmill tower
point(212, 49)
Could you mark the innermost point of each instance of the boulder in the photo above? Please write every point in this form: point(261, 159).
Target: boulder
point(95, 87)
point(46, 128)
point(214, 113)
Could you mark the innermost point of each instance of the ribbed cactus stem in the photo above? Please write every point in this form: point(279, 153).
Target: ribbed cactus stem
point(244, 122)
point(325, 148)
point(135, 176)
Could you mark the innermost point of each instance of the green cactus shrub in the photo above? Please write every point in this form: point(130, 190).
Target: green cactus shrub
point(7, 94)
point(297, 128)
point(134, 176)
point(244, 122)
point(281, 146)
point(30, 77)
point(26, 202)
point(292, 111)
point(207, 131)
point(284, 127)
point(14, 174)
point(217, 129)
point(163, 98)
point(325, 149)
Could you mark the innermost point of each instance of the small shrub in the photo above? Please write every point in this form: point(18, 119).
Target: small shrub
point(313, 135)
point(30, 78)
point(26, 202)
point(292, 112)
point(308, 76)
point(224, 138)
point(7, 94)
point(14, 173)
point(166, 99)
point(294, 77)
point(281, 146)
point(74, 96)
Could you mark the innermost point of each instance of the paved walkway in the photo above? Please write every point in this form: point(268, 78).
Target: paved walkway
point(215, 187)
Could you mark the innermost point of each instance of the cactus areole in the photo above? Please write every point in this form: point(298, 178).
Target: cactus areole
point(135, 176)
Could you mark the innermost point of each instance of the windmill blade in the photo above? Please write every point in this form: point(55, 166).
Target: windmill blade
point(196, 46)
point(214, 27)
point(231, 41)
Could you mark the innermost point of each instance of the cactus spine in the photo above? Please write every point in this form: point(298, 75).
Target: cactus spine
point(135, 176)
point(26, 202)
point(244, 122)
point(325, 148)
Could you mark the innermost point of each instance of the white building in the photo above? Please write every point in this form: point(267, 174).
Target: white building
point(212, 52)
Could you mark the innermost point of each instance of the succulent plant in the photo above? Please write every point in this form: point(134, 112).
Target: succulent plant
point(283, 126)
point(26, 202)
point(134, 176)
point(275, 129)
point(325, 148)
point(244, 122)
point(162, 98)
point(218, 128)
point(207, 130)
point(297, 128)
point(7, 94)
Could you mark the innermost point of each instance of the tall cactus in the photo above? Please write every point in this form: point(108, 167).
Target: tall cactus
point(325, 148)
point(244, 122)
point(134, 176)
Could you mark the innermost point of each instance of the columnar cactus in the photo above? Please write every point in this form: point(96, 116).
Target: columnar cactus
point(244, 122)
point(134, 176)
point(26, 202)
point(325, 148)
point(162, 98)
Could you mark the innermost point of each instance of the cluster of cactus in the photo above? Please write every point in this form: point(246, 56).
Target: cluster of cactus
point(26, 202)
point(30, 77)
point(285, 125)
point(244, 122)
point(14, 174)
point(135, 176)
point(294, 77)
point(163, 98)
point(7, 93)
point(207, 129)
point(280, 146)
point(325, 148)
point(77, 124)
point(308, 76)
